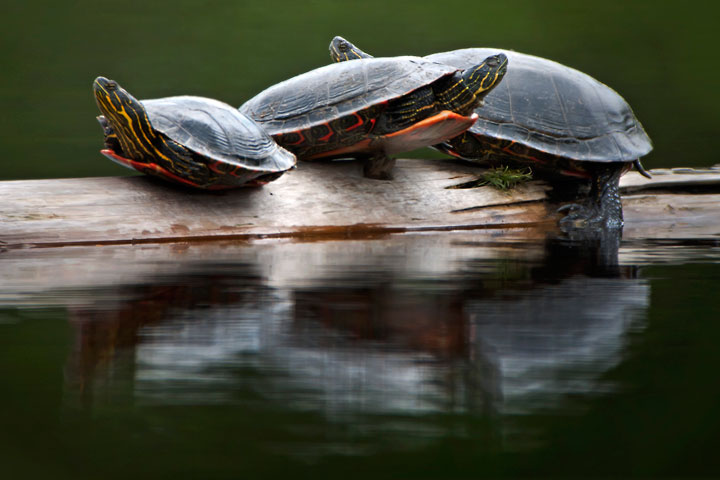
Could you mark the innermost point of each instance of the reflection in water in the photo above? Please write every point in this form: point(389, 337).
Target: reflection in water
point(557, 339)
point(107, 329)
point(358, 333)
point(559, 334)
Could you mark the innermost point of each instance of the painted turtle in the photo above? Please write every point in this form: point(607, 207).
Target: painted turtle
point(374, 108)
point(194, 141)
point(557, 120)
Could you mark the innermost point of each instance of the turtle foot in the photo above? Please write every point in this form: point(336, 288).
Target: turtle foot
point(602, 208)
point(587, 216)
point(379, 168)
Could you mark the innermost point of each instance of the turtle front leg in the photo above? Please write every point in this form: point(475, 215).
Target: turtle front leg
point(379, 166)
point(603, 207)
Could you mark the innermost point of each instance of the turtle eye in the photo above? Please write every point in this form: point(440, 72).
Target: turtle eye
point(493, 61)
point(111, 85)
point(343, 47)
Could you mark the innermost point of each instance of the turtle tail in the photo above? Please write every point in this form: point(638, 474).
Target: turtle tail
point(638, 166)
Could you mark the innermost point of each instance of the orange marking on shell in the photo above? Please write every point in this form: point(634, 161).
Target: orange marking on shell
point(356, 125)
point(507, 148)
point(358, 147)
point(445, 115)
point(327, 137)
point(302, 139)
point(430, 131)
point(149, 168)
point(213, 166)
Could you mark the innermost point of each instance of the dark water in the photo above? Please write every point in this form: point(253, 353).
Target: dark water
point(661, 56)
point(429, 356)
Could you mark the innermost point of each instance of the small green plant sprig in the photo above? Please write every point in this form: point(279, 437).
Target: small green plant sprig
point(501, 178)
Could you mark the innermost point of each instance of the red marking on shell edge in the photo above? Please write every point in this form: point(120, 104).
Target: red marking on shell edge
point(123, 161)
point(213, 166)
point(150, 168)
point(537, 160)
point(357, 147)
point(359, 122)
point(444, 116)
point(571, 173)
point(255, 183)
point(452, 152)
point(299, 134)
point(507, 150)
point(327, 137)
point(166, 173)
point(235, 172)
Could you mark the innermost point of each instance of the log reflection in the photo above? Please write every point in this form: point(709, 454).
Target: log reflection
point(359, 332)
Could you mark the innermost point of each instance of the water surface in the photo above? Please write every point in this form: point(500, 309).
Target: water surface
point(450, 356)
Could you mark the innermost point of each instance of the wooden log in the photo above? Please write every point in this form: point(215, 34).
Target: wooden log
point(671, 215)
point(662, 208)
point(670, 178)
point(316, 199)
point(323, 199)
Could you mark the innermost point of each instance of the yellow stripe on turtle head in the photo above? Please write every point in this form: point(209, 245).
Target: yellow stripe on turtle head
point(128, 118)
point(341, 50)
point(484, 77)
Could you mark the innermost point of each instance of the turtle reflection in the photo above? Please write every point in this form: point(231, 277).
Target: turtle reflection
point(487, 335)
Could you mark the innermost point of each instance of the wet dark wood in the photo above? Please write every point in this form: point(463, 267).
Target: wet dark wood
point(326, 200)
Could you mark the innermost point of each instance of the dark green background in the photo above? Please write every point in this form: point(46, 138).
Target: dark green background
point(661, 56)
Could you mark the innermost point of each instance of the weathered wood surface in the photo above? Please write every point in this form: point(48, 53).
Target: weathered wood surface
point(663, 207)
point(670, 215)
point(321, 199)
point(670, 178)
point(317, 198)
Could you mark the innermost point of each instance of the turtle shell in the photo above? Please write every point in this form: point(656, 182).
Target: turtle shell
point(554, 109)
point(338, 90)
point(218, 131)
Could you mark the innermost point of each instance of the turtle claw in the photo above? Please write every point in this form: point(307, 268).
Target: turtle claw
point(576, 218)
point(584, 216)
point(570, 206)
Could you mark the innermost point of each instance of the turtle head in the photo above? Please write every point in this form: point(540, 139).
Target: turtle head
point(482, 78)
point(342, 50)
point(125, 116)
point(465, 90)
point(113, 100)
